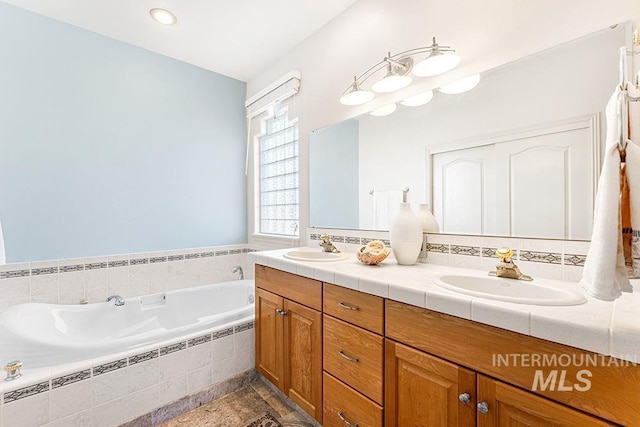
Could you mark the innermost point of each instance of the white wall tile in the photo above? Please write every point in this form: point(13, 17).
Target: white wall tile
point(244, 361)
point(32, 411)
point(173, 390)
point(70, 399)
point(223, 348)
point(172, 365)
point(80, 419)
point(109, 386)
point(142, 375)
point(199, 379)
point(222, 370)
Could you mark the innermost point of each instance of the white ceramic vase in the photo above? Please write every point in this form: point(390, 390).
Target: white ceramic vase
point(427, 220)
point(405, 235)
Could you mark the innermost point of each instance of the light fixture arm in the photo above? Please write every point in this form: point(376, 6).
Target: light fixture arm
point(399, 60)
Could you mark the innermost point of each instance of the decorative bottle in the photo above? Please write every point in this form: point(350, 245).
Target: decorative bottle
point(427, 220)
point(405, 235)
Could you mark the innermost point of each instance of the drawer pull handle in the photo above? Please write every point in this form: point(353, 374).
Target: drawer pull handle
point(350, 359)
point(348, 307)
point(346, 421)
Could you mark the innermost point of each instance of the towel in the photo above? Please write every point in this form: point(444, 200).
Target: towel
point(3, 260)
point(385, 207)
point(605, 275)
point(633, 178)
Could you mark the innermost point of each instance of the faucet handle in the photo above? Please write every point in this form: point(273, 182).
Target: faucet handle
point(504, 253)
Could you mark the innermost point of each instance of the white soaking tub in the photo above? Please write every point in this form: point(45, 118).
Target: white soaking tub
point(42, 335)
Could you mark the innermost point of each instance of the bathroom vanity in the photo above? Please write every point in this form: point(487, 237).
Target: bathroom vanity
point(349, 357)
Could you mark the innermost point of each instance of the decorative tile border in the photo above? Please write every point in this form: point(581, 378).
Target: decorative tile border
point(489, 253)
point(199, 340)
point(352, 240)
point(573, 259)
point(133, 260)
point(221, 334)
point(173, 348)
point(465, 250)
point(436, 247)
point(23, 392)
point(108, 367)
point(143, 357)
point(71, 378)
point(542, 257)
point(244, 327)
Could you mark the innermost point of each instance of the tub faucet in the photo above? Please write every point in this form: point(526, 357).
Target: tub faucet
point(506, 268)
point(118, 300)
point(326, 244)
point(238, 269)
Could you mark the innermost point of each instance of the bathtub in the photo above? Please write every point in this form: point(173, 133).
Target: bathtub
point(42, 335)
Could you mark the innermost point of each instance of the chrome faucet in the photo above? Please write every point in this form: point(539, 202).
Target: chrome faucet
point(238, 269)
point(326, 244)
point(506, 268)
point(118, 300)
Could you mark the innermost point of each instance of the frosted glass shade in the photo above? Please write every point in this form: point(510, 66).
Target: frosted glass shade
point(357, 97)
point(418, 100)
point(462, 85)
point(384, 111)
point(436, 64)
point(391, 83)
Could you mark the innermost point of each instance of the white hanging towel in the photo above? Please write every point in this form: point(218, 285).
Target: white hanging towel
point(3, 259)
point(633, 175)
point(605, 275)
point(385, 207)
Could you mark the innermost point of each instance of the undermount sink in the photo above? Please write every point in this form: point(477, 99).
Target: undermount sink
point(510, 290)
point(316, 256)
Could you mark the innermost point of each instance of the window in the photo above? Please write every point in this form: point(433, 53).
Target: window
point(278, 178)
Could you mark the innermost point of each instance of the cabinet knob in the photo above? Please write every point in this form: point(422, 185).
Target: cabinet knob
point(350, 359)
point(464, 398)
point(281, 312)
point(483, 407)
point(348, 307)
point(346, 421)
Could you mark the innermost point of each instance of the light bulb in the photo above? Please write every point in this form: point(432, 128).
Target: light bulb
point(384, 111)
point(418, 100)
point(435, 64)
point(462, 85)
point(391, 83)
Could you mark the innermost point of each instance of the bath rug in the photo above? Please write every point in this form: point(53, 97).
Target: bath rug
point(265, 420)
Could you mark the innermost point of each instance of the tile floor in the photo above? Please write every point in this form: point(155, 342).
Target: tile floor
point(240, 408)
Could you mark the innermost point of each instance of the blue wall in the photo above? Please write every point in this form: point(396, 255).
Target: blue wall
point(108, 148)
point(333, 176)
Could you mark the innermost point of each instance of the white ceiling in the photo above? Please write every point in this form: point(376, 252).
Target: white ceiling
point(237, 38)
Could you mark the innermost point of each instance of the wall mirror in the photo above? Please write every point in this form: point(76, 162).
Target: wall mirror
point(519, 155)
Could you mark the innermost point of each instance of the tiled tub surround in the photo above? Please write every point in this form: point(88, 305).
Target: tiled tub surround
point(112, 390)
point(608, 328)
point(70, 281)
point(550, 259)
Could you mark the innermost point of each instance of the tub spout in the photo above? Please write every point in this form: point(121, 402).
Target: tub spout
point(238, 269)
point(118, 300)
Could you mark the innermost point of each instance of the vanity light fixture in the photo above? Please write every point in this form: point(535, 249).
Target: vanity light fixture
point(462, 85)
point(418, 100)
point(384, 111)
point(398, 69)
point(440, 60)
point(356, 95)
point(163, 16)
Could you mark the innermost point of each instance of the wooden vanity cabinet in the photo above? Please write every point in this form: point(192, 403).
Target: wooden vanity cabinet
point(443, 357)
point(288, 330)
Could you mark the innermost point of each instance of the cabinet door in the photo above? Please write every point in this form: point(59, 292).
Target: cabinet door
point(511, 406)
point(423, 390)
point(269, 339)
point(303, 357)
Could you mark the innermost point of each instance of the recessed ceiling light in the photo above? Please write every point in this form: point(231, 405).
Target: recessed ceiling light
point(163, 16)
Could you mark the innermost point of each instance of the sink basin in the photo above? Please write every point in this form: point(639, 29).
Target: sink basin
point(315, 256)
point(511, 290)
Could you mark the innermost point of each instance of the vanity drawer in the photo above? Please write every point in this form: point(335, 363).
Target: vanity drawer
point(340, 399)
point(364, 310)
point(296, 288)
point(354, 356)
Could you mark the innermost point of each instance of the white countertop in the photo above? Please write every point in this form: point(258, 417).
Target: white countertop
point(608, 328)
